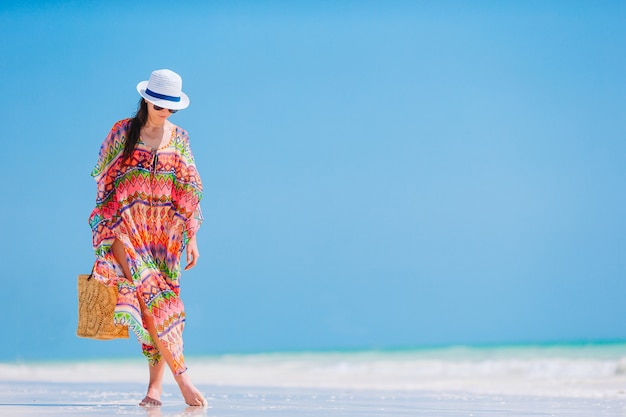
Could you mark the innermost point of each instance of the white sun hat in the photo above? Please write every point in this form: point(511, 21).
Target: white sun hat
point(164, 88)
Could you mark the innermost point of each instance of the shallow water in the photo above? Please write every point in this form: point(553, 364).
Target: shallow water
point(73, 399)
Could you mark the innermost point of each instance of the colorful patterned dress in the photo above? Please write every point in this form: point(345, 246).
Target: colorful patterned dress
point(151, 205)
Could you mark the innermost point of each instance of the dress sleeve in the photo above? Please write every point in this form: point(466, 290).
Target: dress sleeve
point(188, 191)
point(105, 213)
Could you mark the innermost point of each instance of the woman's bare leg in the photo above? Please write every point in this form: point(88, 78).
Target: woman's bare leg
point(190, 393)
point(155, 385)
point(120, 256)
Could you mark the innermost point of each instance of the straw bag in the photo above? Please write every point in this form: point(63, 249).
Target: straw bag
point(96, 303)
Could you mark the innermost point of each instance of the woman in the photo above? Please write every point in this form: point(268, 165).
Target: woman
point(147, 212)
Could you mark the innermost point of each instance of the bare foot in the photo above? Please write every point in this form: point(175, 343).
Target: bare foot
point(155, 386)
point(150, 402)
point(191, 394)
point(153, 396)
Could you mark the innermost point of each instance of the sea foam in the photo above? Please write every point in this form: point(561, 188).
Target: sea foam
point(572, 371)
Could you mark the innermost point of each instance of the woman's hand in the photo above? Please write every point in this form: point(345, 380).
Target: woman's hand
point(192, 253)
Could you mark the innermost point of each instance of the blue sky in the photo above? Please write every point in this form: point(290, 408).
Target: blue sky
point(377, 174)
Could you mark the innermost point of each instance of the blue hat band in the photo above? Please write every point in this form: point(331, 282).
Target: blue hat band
point(162, 96)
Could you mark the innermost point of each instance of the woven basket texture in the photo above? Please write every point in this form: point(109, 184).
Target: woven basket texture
point(96, 304)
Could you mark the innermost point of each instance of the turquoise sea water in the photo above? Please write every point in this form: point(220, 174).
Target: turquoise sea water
point(597, 350)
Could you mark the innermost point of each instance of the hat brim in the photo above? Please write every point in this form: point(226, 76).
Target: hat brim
point(167, 104)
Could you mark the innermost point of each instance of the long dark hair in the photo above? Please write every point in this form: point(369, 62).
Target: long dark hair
point(139, 120)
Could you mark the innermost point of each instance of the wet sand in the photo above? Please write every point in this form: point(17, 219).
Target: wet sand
point(115, 399)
